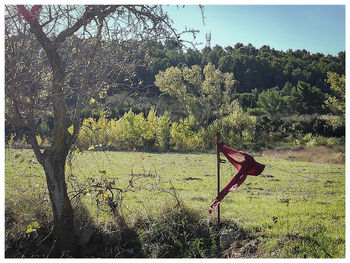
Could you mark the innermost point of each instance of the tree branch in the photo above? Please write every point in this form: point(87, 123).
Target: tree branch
point(20, 123)
point(58, 102)
point(16, 122)
point(44, 41)
point(90, 13)
point(76, 118)
point(35, 146)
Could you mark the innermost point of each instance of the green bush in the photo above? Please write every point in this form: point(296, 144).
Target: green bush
point(296, 129)
point(135, 132)
point(324, 125)
point(183, 137)
point(131, 132)
point(163, 132)
point(238, 129)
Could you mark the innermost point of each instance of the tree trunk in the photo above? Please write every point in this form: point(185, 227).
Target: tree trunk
point(54, 166)
point(53, 160)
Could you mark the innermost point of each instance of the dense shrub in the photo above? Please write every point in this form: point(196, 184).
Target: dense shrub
point(183, 137)
point(324, 125)
point(131, 132)
point(157, 133)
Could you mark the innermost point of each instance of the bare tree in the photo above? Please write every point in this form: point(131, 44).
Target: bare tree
point(58, 58)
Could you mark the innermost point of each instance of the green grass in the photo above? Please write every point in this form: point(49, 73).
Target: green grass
point(295, 209)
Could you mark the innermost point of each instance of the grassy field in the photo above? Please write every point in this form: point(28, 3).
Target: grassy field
point(294, 209)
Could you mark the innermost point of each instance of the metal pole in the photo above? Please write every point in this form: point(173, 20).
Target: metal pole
point(218, 169)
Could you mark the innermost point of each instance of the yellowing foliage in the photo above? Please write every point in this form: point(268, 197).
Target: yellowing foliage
point(157, 133)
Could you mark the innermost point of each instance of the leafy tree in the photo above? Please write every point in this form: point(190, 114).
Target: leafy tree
point(215, 54)
point(336, 103)
point(226, 63)
point(54, 60)
point(205, 94)
point(192, 57)
point(247, 100)
point(287, 89)
point(305, 99)
point(272, 103)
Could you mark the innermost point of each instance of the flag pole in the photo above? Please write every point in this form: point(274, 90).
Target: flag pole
point(218, 169)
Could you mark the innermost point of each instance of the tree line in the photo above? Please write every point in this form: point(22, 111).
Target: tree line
point(274, 87)
point(301, 76)
point(257, 97)
point(294, 94)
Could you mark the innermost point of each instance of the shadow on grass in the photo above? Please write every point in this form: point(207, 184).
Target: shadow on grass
point(108, 241)
point(179, 232)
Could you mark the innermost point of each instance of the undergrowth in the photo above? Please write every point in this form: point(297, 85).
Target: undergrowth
point(180, 232)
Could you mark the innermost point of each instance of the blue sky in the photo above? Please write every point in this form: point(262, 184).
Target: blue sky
point(316, 28)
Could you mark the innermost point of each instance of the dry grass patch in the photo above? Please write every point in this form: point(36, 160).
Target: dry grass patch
point(317, 154)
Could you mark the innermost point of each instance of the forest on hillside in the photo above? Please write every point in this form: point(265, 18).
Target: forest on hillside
point(257, 97)
point(254, 71)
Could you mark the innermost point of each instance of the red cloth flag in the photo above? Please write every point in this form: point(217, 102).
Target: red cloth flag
point(244, 163)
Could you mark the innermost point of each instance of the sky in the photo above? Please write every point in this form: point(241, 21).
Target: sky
point(315, 28)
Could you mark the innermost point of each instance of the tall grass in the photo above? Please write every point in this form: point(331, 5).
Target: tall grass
point(294, 209)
